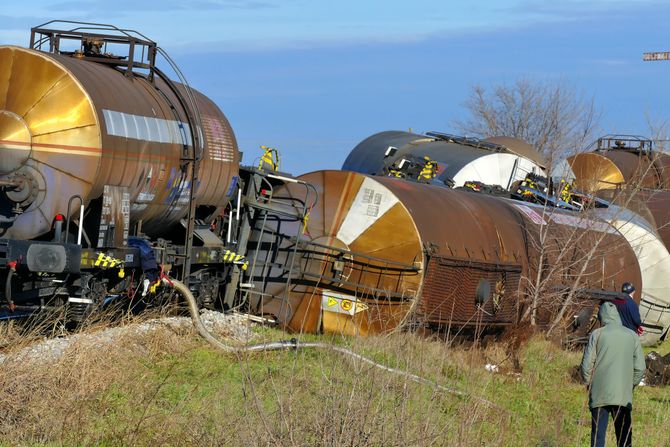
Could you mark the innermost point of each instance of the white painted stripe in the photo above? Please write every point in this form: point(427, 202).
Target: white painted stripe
point(581, 222)
point(372, 201)
point(571, 220)
point(146, 128)
point(531, 213)
point(80, 300)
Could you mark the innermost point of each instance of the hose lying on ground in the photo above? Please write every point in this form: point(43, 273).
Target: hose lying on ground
point(8, 285)
point(295, 344)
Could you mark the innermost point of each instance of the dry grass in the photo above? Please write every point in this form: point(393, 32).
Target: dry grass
point(167, 388)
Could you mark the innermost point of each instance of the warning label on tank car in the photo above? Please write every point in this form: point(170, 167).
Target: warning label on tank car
point(341, 303)
point(371, 202)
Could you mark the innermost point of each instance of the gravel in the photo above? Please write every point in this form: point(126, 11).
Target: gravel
point(232, 327)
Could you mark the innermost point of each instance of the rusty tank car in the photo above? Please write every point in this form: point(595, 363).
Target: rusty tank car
point(70, 125)
point(377, 252)
point(619, 160)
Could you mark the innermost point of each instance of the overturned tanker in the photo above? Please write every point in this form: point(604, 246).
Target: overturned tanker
point(500, 161)
point(378, 252)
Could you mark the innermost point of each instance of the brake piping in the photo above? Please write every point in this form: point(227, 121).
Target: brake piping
point(294, 344)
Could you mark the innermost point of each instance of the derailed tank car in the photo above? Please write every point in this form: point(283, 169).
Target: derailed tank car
point(500, 161)
point(628, 172)
point(377, 251)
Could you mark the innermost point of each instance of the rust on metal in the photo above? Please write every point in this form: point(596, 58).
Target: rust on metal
point(519, 147)
point(448, 280)
point(431, 254)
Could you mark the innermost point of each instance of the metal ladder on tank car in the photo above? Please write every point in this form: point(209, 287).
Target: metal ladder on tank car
point(258, 208)
point(279, 257)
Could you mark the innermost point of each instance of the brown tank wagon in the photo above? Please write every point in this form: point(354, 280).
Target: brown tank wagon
point(95, 138)
point(619, 160)
point(377, 251)
point(70, 126)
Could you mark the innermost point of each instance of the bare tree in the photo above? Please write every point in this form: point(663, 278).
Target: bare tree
point(569, 252)
point(553, 118)
point(659, 132)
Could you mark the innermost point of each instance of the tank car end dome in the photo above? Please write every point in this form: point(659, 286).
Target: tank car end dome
point(49, 140)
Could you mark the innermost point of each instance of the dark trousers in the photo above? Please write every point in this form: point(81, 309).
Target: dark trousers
point(622, 425)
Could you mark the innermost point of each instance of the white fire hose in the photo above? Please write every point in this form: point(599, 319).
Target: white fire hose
point(295, 345)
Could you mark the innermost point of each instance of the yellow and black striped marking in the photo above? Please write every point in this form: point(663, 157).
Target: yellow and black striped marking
point(104, 261)
point(235, 258)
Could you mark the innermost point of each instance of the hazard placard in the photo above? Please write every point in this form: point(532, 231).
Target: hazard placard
point(341, 303)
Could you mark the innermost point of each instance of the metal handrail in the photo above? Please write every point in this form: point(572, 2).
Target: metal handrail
point(387, 294)
point(94, 26)
point(468, 141)
point(386, 262)
point(81, 218)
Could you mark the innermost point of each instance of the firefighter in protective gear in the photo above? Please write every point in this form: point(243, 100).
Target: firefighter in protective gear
point(429, 170)
point(270, 159)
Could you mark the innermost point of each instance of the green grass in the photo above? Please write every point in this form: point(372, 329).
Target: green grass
point(662, 349)
point(176, 390)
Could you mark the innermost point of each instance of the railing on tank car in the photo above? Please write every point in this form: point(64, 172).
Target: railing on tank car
point(634, 143)
point(94, 44)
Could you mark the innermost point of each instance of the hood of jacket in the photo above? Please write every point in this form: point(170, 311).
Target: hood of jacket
point(608, 314)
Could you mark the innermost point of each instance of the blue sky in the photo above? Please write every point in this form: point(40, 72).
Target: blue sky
point(314, 78)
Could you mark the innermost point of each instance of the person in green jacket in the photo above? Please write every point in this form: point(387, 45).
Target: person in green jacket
point(613, 364)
